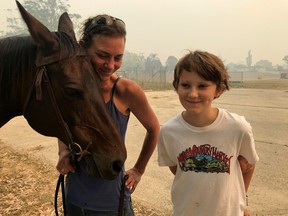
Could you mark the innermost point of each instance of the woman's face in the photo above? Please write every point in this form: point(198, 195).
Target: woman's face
point(107, 54)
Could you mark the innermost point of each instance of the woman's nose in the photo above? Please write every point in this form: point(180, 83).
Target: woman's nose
point(109, 63)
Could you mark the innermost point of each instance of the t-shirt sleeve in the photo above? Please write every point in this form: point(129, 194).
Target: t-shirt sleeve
point(248, 148)
point(164, 151)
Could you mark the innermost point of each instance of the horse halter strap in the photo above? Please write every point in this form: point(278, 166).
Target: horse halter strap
point(61, 122)
point(41, 74)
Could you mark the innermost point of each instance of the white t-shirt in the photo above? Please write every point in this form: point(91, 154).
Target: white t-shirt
point(208, 180)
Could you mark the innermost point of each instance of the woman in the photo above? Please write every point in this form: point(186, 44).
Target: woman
point(104, 37)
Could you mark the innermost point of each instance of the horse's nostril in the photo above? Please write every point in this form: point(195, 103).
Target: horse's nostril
point(117, 166)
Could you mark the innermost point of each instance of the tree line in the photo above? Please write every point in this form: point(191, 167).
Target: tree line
point(49, 11)
point(132, 62)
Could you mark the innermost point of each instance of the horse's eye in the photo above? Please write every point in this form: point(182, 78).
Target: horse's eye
point(71, 92)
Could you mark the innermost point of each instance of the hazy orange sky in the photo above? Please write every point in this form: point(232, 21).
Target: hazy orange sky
point(227, 28)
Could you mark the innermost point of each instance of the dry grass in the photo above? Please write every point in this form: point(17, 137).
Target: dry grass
point(27, 186)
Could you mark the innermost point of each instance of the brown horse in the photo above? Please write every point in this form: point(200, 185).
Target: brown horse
point(48, 78)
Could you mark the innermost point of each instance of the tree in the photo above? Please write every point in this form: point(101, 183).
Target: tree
point(249, 59)
point(170, 63)
point(15, 25)
point(232, 67)
point(47, 11)
point(132, 62)
point(285, 59)
point(264, 64)
point(152, 63)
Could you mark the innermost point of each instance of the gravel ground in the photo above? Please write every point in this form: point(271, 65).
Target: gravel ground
point(27, 160)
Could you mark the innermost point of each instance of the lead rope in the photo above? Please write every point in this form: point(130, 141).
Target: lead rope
point(122, 195)
point(68, 136)
point(60, 182)
point(37, 84)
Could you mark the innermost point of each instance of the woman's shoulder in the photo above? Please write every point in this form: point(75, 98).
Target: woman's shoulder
point(128, 92)
point(127, 82)
point(128, 87)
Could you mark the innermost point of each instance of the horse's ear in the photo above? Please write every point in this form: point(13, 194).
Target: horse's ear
point(40, 34)
point(65, 25)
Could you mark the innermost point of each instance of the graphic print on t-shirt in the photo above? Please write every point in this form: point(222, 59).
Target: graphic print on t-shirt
point(204, 158)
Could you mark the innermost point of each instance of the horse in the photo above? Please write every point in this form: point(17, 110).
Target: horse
point(48, 78)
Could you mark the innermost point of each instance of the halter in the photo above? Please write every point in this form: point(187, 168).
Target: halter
point(42, 76)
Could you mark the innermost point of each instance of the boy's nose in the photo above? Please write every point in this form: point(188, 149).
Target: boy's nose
point(193, 93)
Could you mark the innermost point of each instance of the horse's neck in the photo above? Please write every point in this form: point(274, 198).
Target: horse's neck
point(17, 74)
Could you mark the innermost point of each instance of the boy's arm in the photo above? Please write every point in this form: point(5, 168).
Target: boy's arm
point(173, 169)
point(247, 171)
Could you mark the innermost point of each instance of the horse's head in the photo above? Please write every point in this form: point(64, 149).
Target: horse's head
point(64, 66)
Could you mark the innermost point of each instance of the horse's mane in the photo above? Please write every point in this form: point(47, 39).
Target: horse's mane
point(66, 43)
point(17, 58)
point(17, 55)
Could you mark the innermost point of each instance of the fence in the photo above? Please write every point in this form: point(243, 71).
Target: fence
point(161, 79)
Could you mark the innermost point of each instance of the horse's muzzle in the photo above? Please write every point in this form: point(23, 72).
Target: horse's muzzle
point(103, 170)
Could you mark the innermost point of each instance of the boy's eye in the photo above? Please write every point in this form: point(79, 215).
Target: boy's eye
point(203, 86)
point(185, 85)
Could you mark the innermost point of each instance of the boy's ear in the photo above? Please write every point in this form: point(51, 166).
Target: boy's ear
point(219, 92)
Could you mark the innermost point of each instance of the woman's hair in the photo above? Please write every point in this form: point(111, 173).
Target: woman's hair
point(102, 25)
point(206, 65)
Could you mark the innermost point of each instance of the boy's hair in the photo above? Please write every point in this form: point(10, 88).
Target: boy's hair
point(206, 65)
point(102, 25)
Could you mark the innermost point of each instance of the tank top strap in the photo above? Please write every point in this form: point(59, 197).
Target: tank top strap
point(114, 87)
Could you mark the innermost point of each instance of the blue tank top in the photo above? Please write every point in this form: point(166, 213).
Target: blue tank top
point(88, 192)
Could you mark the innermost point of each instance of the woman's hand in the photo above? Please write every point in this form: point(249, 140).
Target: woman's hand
point(64, 165)
point(134, 177)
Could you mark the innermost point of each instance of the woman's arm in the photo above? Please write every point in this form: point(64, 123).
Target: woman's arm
point(138, 104)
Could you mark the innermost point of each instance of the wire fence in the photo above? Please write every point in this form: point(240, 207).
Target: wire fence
point(161, 80)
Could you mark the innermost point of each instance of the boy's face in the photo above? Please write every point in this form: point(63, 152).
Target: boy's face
point(195, 93)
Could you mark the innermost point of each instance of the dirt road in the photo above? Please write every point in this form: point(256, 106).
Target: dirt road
point(266, 110)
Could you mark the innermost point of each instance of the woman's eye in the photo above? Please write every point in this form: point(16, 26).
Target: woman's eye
point(117, 59)
point(71, 92)
point(102, 56)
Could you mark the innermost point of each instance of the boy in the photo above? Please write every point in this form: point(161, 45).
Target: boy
point(210, 151)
